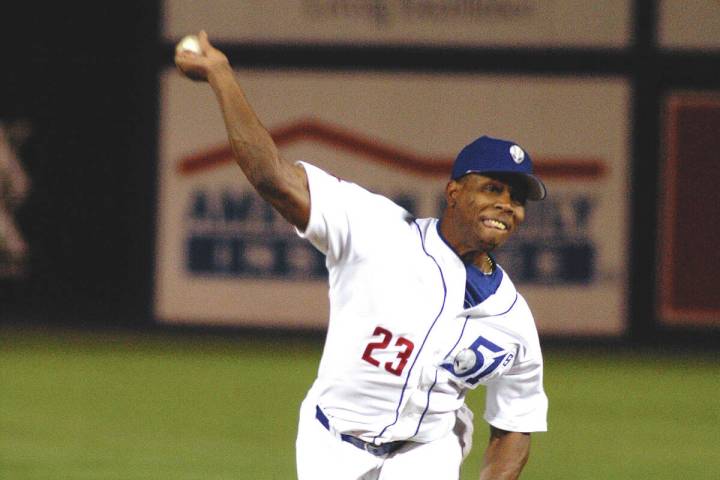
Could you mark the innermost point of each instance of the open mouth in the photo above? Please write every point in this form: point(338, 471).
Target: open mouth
point(496, 224)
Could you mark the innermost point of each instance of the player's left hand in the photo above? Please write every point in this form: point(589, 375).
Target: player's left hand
point(200, 67)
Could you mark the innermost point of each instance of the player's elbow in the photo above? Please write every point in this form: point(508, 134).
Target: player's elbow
point(268, 184)
point(274, 183)
point(287, 191)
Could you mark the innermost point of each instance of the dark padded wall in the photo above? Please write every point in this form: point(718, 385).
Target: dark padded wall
point(84, 78)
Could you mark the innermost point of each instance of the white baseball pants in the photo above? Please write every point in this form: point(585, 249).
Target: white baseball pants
point(322, 456)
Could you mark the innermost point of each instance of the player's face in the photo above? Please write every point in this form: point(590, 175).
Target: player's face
point(487, 209)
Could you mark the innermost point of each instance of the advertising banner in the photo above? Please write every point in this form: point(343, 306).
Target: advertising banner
point(528, 23)
point(225, 257)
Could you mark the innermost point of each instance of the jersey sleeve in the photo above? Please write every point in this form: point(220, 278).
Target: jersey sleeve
point(516, 400)
point(344, 216)
point(328, 226)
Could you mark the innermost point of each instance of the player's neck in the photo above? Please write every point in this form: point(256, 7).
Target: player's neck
point(482, 260)
point(469, 255)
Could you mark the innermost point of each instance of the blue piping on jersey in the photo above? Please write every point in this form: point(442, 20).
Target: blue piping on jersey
point(442, 308)
point(442, 237)
point(427, 405)
point(495, 277)
point(506, 311)
point(462, 332)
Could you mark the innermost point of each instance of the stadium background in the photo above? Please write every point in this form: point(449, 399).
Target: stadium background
point(91, 386)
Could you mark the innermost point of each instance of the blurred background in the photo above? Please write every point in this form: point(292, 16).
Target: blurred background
point(141, 333)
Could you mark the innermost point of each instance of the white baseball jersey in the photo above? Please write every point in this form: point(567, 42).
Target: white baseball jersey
point(402, 350)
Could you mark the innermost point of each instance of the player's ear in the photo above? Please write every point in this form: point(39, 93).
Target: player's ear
point(452, 189)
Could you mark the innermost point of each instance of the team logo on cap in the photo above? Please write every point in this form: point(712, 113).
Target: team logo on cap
point(517, 154)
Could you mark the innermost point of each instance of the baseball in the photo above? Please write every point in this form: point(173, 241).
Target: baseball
point(189, 43)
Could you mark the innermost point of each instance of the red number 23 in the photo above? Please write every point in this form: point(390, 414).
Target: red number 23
point(402, 356)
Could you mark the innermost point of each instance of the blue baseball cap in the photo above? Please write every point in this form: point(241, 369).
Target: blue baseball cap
point(493, 155)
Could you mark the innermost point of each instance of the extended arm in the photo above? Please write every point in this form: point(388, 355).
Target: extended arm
point(505, 455)
point(282, 184)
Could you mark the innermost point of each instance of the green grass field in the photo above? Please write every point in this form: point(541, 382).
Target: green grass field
point(159, 406)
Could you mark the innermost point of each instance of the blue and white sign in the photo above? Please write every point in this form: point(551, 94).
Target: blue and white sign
point(224, 256)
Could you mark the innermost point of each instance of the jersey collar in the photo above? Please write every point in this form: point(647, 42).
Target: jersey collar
point(499, 303)
point(496, 304)
point(444, 248)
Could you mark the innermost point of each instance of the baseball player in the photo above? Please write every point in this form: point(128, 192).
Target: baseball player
point(420, 312)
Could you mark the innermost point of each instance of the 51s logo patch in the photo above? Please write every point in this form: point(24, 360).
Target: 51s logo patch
point(471, 365)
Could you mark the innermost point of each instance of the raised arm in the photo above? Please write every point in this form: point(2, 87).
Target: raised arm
point(506, 455)
point(282, 184)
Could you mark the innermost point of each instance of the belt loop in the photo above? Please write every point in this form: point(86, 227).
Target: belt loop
point(377, 450)
point(325, 422)
point(322, 418)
